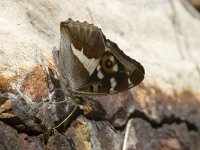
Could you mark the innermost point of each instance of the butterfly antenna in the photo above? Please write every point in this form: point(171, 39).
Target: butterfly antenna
point(71, 113)
point(109, 125)
point(96, 126)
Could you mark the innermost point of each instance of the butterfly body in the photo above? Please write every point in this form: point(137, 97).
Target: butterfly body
point(90, 64)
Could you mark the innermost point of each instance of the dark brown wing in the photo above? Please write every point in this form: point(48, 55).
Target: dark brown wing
point(81, 48)
point(115, 73)
point(90, 64)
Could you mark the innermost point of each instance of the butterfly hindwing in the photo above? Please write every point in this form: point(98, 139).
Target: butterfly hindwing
point(115, 73)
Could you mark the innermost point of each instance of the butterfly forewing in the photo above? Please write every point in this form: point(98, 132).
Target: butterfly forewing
point(90, 64)
point(80, 50)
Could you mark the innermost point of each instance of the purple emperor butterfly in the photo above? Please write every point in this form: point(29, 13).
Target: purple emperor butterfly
point(90, 64)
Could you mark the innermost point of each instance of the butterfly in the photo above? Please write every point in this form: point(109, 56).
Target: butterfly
point(90, 65)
